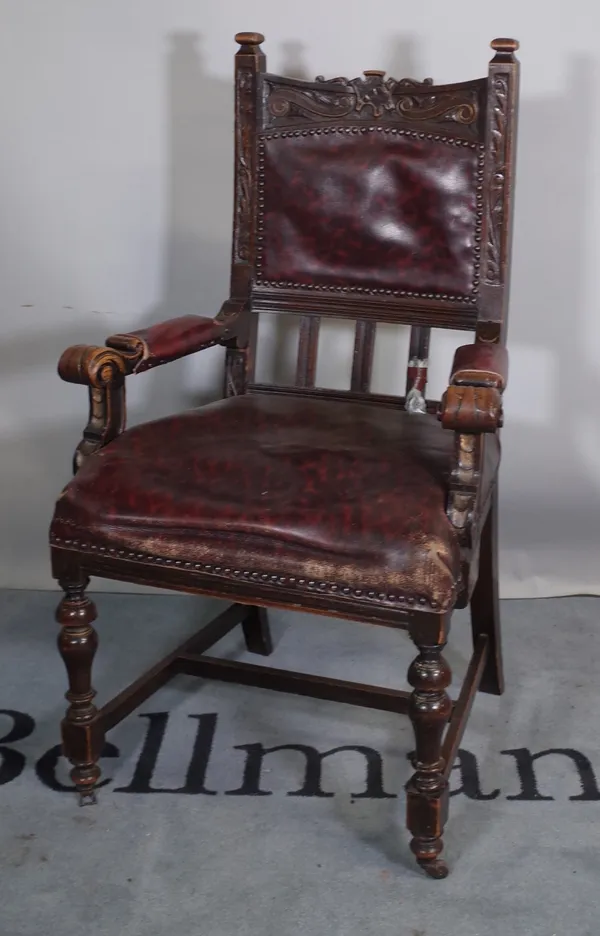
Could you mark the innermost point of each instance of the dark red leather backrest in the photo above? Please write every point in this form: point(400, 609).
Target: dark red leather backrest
point(379, 209)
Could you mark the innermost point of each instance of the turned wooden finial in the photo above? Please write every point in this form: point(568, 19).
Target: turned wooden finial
point(249, 38)
point(505, 49)
point(504, 45)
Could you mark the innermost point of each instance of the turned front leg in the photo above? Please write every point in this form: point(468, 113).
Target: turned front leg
point(427, 790)
point(82, 735)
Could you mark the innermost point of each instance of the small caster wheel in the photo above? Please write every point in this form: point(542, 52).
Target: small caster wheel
point(87, 798)
point(436, 869)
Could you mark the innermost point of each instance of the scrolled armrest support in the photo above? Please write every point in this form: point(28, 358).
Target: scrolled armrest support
point(103, 370)
point(94, 366)
point(472, 408)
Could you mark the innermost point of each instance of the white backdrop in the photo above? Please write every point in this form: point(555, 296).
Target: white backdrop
point(115, 207)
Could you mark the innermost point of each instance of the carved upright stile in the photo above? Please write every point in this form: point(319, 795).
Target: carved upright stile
point(249, 64)
point(503, 90)
point(482, 407)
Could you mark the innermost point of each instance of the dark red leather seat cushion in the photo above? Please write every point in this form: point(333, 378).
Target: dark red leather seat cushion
point(340, 493)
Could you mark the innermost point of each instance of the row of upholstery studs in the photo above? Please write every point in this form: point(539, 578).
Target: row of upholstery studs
point(366, 290)
point(255, 576)
point(395, 131)
point(283, 284)
point(478, 219)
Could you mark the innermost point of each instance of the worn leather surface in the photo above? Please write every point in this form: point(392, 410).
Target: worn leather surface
point(480, 364)
point(370, 210)
point(336, 492)
point(168, 340)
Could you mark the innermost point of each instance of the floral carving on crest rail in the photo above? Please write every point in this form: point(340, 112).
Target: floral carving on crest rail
point(372, 97)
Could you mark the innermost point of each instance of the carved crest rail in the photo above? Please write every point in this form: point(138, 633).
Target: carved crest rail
point(373, 97)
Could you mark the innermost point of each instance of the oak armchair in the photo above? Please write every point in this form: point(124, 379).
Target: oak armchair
point(371, 199)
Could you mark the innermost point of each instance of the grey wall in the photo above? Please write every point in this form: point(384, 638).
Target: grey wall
point(115, 187)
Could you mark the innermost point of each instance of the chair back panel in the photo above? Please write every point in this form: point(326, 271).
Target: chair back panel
point(375, 200)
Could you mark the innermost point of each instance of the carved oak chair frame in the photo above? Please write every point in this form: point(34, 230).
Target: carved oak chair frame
point(480, 115)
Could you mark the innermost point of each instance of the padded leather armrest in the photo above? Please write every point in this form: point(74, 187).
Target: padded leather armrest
point(169, 340)
point(480, 365)
point(103, 369)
